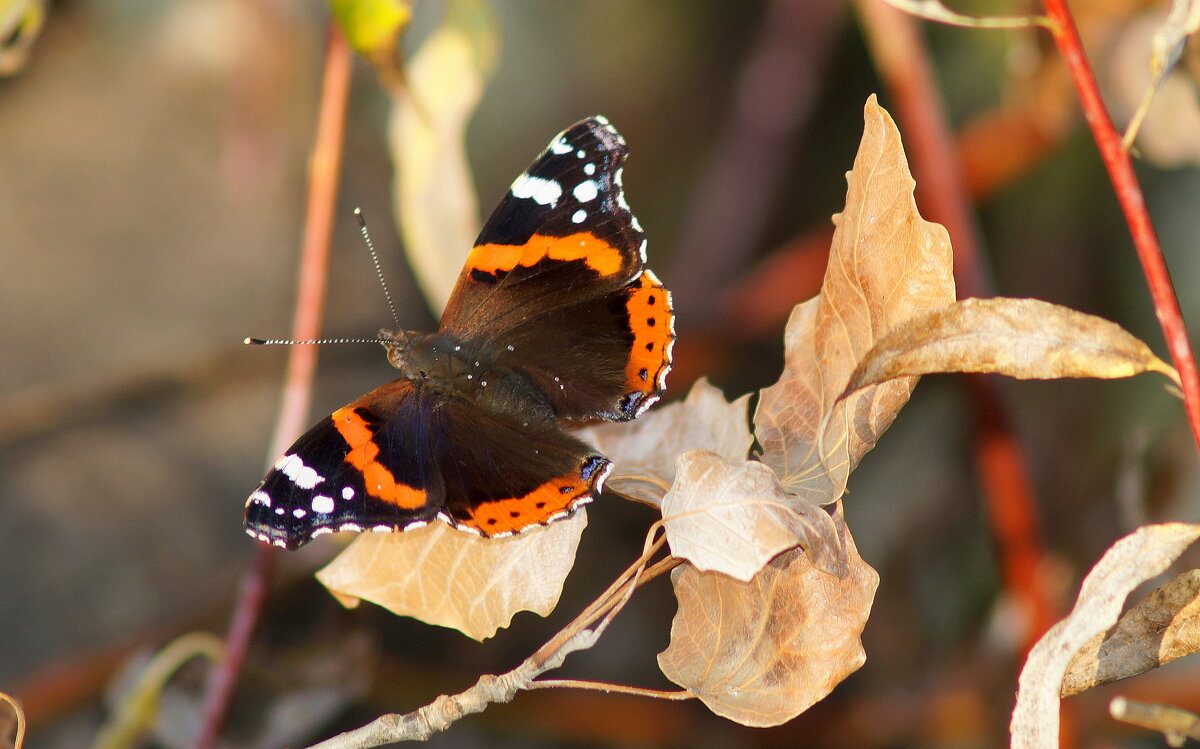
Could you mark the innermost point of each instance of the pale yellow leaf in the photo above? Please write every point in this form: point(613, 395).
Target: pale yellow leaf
point(453, 579)
point(643, 451)
point(762, 652)
point(435, 203)
point(1022, 338)
point(1160, 628)
point(887, 264)
point(1128, 563)
point(733, 517)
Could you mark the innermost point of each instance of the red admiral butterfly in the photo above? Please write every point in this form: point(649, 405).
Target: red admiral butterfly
point(554, 320)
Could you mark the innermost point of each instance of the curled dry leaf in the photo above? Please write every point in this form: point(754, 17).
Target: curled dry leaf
point(1022, 338)
point(886, 265)
point(762, 652)
point(455, 579)
point(733, 516)
point(643, 452)
point(435, 202)
point(1163, 626)
point(1128, 563)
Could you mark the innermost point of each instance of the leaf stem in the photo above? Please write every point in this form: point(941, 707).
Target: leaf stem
point(659, 694)
point(1129, 194)
point(324, 168)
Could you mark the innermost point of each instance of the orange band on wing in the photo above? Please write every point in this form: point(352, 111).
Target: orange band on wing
point(378, 480)
point(650, 318)
point(599, 255)
point(551, 499)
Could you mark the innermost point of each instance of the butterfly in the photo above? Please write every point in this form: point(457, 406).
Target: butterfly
point(554, 321)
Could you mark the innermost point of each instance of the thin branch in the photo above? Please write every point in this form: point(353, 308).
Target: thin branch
point(1133, 204)
point(594, 686)
point(1175, 724)
point(772, 100)
point(581, 633)
point(324, 168)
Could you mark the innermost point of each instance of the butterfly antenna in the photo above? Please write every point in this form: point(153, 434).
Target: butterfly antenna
point(362, 227)
point(289, 342)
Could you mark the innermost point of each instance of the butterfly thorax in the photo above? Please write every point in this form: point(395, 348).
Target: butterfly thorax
point(443, 364)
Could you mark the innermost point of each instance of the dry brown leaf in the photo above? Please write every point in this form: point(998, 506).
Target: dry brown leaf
point(643, 451)
point(886, 265)
point(1163, 626)
point(733, 516)
point(760, 653)
point(1022, 338)
point(435, 203)
point(1128, 563)
point(454, 579)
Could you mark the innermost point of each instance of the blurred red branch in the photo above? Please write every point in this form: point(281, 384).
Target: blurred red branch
point(324, 168)
point(772, 100)
point(1129, 194)
point(903, 62)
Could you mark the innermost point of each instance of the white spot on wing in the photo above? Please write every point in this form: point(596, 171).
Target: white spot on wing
point(299, 512)
point(348, 492)
point(578, 216)
point(322, 505)
point(261, 498)
point(540, 191)
point(589, 169)
point(301, 475)
point(560, 146)
point(586, 190)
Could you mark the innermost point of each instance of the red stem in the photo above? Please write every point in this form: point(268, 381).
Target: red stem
point(1133, 205)
point(324, 168)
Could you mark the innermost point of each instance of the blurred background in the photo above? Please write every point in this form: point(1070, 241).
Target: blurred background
point(152, 194)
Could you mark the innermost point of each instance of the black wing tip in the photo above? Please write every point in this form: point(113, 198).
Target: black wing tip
point(599, 127)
